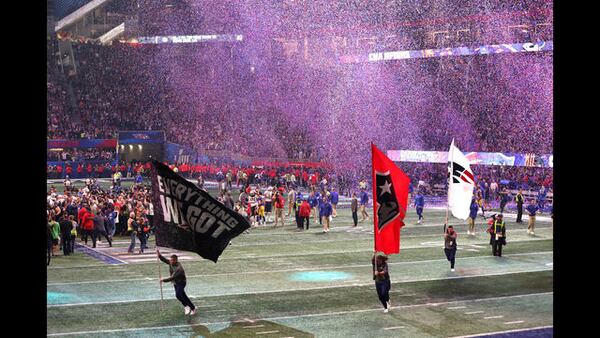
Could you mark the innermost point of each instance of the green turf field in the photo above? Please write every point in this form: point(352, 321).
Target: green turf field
point(277, 282)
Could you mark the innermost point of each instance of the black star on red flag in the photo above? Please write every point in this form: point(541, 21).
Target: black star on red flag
point(390, 196)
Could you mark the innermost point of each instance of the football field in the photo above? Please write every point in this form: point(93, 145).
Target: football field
point(280, 282)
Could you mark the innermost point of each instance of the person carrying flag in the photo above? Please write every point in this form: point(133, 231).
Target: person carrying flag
point(450, 245)
point(381, 276)
point(179, 281)
point(390, 199)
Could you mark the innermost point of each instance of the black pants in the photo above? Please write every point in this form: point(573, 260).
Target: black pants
point(355, 218)
point(420, 212)
point(96, 235)
point(305, 219)
point(49, 249)
point(497, 246)
point(502, 205)
point(298, 220)
point(87, 233)
point(383, 291)
point(65, 239)
point(73, 243)
point(519, 213)
point(450, 255)
point(181, 296)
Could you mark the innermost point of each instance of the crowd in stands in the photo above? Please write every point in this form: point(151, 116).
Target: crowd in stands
point(78, 155)
point(139, 88)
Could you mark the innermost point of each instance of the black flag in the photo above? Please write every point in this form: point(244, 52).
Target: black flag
point(189, 219)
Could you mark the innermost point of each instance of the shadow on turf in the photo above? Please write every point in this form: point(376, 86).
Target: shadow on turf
point(250, 329)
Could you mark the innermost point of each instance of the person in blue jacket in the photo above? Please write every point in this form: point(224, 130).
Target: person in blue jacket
point(313, 202)
point(318, 200)
point(532, 209)
point(419, 204)
point(335, 197)
point(472, 215)
point(325, 211)
point(363, 200)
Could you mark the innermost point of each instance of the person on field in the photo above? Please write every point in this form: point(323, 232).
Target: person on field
point(304, 214)
point(472, 215)
point(498, 235)
point(354, 209)
point(179, 281)
point(381, 277)
point(519, 199)
point(532, 209)
point(419, 205)
point(450, 246)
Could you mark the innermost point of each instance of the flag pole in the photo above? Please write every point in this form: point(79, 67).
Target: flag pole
point(449, 182)
point(159, 280)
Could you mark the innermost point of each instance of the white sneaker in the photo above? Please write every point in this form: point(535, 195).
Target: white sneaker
point(532, 233)
point(187, 310)
point(389, 304)
point(193, 311)
point(385, 310)
point(452, 270)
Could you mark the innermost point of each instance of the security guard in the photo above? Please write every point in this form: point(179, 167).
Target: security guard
point(498, 238)
point(519, 199)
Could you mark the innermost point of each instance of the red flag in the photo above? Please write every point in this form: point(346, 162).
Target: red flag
point(390, 195)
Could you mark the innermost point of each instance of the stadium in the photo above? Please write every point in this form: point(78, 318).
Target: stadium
point(317, 168)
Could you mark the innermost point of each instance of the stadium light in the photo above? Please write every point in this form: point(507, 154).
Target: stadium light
point(131, 147)
point(140, 146)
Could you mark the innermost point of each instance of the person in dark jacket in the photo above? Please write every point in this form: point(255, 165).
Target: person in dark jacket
point(65, 234)
point(450, 245)
point(381, 277)
point(100, 230)
point(354, 208)
point(179, 281)
point(520, 200)
point(505, 197)
point(498, 235)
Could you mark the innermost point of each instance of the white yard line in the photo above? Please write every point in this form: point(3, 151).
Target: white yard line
point(297, 269)
point(507, 331)
point(515, 322)
point(394, 328)
point(473, 312)
point(301, 316)
point(456, 307)
point(267, 332)
point(493, 317)
point(252, 326)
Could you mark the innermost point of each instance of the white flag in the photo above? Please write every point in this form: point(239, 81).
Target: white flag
point(461, 183)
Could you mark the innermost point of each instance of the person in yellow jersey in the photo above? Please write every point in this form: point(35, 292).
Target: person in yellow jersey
point(498, 238)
